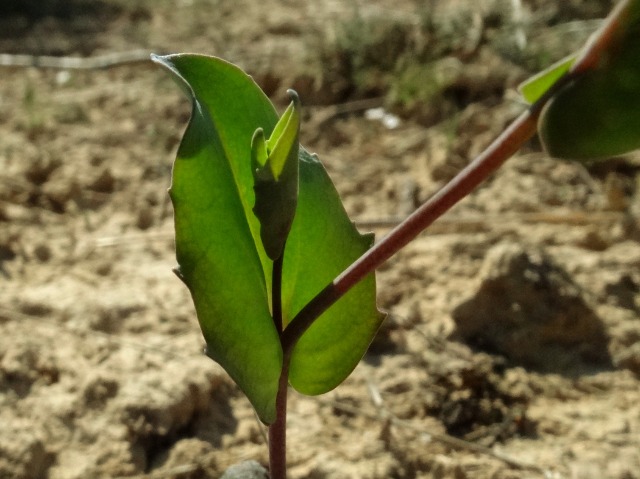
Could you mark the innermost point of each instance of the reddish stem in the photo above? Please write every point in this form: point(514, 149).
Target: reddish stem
point(602, 42)
point(278, 430)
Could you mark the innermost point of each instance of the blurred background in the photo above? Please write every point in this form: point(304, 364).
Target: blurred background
point(512, 347)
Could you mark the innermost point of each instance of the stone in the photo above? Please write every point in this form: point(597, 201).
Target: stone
point(246, 470)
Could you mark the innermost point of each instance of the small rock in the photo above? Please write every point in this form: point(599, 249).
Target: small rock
point(42, 252)
point(246, 470)
point(145, 218)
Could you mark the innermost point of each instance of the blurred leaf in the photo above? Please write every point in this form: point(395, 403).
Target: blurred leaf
point(597, 115)
point(536, 86)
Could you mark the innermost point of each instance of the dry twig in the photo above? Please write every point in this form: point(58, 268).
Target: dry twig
point(110, 60)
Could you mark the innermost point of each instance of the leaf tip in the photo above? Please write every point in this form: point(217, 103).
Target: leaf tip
point(162, 60)
point(179, 274)
point(294, 97)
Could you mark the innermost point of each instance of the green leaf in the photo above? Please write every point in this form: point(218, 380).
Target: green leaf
point(283, 143)
point(322, 243)
point(536, 86)
point(275, 171)
point(597, 115)
point(216, 231)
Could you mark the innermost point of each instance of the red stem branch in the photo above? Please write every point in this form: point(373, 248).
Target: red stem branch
point(521, 130)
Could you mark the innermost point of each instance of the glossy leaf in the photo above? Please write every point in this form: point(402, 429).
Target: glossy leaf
point(322, 243)
point(216, 231)
point(597, 114)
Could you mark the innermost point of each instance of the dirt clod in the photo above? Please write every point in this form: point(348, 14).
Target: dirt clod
point(530, 310)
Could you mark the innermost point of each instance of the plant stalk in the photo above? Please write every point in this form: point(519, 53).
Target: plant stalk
point(278, 430)
point(276, 293)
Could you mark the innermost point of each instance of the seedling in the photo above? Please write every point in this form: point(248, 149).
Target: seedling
point(282, 283)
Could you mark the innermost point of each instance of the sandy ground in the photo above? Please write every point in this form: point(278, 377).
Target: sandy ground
point(512, 348)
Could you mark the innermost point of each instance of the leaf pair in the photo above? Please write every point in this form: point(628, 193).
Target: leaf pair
point(235, 177)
